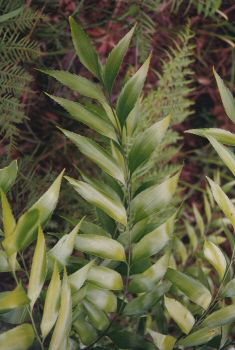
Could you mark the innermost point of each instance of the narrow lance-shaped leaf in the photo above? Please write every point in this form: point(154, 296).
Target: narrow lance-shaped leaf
point(215, 257)
point(97, 317)
point(104, 247)
point(225, 154)
point(78, 278)
point(192, 235)
point(8, 176)
point(162, 341)
point(115, 59)
point(86, 331)
point(180, 314)
point(83, 115)
point(13, 299)
point(110, 206)
point(51, 306)
point(220, 317)
point(103, 299)
point(18, 338)
point(202, 336)
point(77, 83)
point(131, 92)
point(199, 220)
point(97, 154)
point(84, 48)
point(226, 97)
point(223, 201)
point(63, 323)
point(194, 290)
point(24, 233)
point(38, 270)
point(48, 201)
point(154, 241)
point(146, 143)
point(207, 208)
point(154, 198)
point(105, 278)
point(229, 289)
point(223, 136)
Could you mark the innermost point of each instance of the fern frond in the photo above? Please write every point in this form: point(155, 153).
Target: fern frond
point(203, 7)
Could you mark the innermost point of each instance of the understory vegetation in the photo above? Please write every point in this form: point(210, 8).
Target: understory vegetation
point(117, 175)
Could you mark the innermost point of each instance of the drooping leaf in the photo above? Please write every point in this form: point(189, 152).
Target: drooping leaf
point(24, 233)
point(84, 48)
point(103, 299)
point(154, 198)
point(223, 136)
point(207, 209)
point(38, 270)
point(180, 314)
point(48, 201)
point(104, 247)
point(110, 206)
point(223, 201)
point(131, 92)
point(202, 336)
point(199, 220)
point(78, 278)
point(18, 338)
point(194, 290)
point(97, 317)
point(8, 219)
point(83, 115)
point(225, 154)
point(97, 154)
point(147, 143)
point(105, 278)
point(181, 250)
point(215, 257)
point(115, 59)
point(63, 323)
point(51, 306)
point(8, 176)
point(5, 266)
point(220, 317)
point(13, 299)
point(154, 241)
point(162, 341)
point(226, 97)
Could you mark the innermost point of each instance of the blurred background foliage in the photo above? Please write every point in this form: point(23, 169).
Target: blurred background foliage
point(186, 37)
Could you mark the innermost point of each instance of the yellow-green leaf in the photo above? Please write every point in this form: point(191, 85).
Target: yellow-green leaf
point(105, 278)
point(229, 289)
point(38, 270)
point(162, 341)
point(192, 235)
point(202, 336)
point(8, 219)
point(18, 338)
point(97, 317)
point(8, 176)
point(224, 136)
point(86, 331)
point(51, 306)
point(199, 220)
point(215, 257)
point(13, 299)
point(78, 278)
point(103, 299)
point(225, 154)
point(220, 317)
point(180, 314)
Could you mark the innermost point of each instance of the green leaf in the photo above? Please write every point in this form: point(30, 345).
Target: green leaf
point(38, 270)
point(78, 278)
point(86, 331)
point(220, 135)
point(220, 317)
point(97, 317)
point(143, 303)
point(64, 247)
point(226, 97)
point(223, 201)
point(110, 206)
point(199, 220)
point(180, 314)
point(163, 342)
point(24, 233)
point(48, 201)
point(154, 198)
point(8, 219)
point(146, 143)
point(5, 265)
point(18, 338)
point(97, 154)
point(63, 323)
point(51, 306)
point(215, 257)
point(77, 83)
point(106, 248)
point(229, 289)
point(202, 336)
point(103, 299)
point(131, 92)
point(8, 176)
point(154, 241)
point(207, 209)
point(13, 299)
point(105, 278)
point(130, 340)
point(84, 49)
point(145, 281)
point(193, 289)
point(83, 115)
point(115, 59)
point(224, 153)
